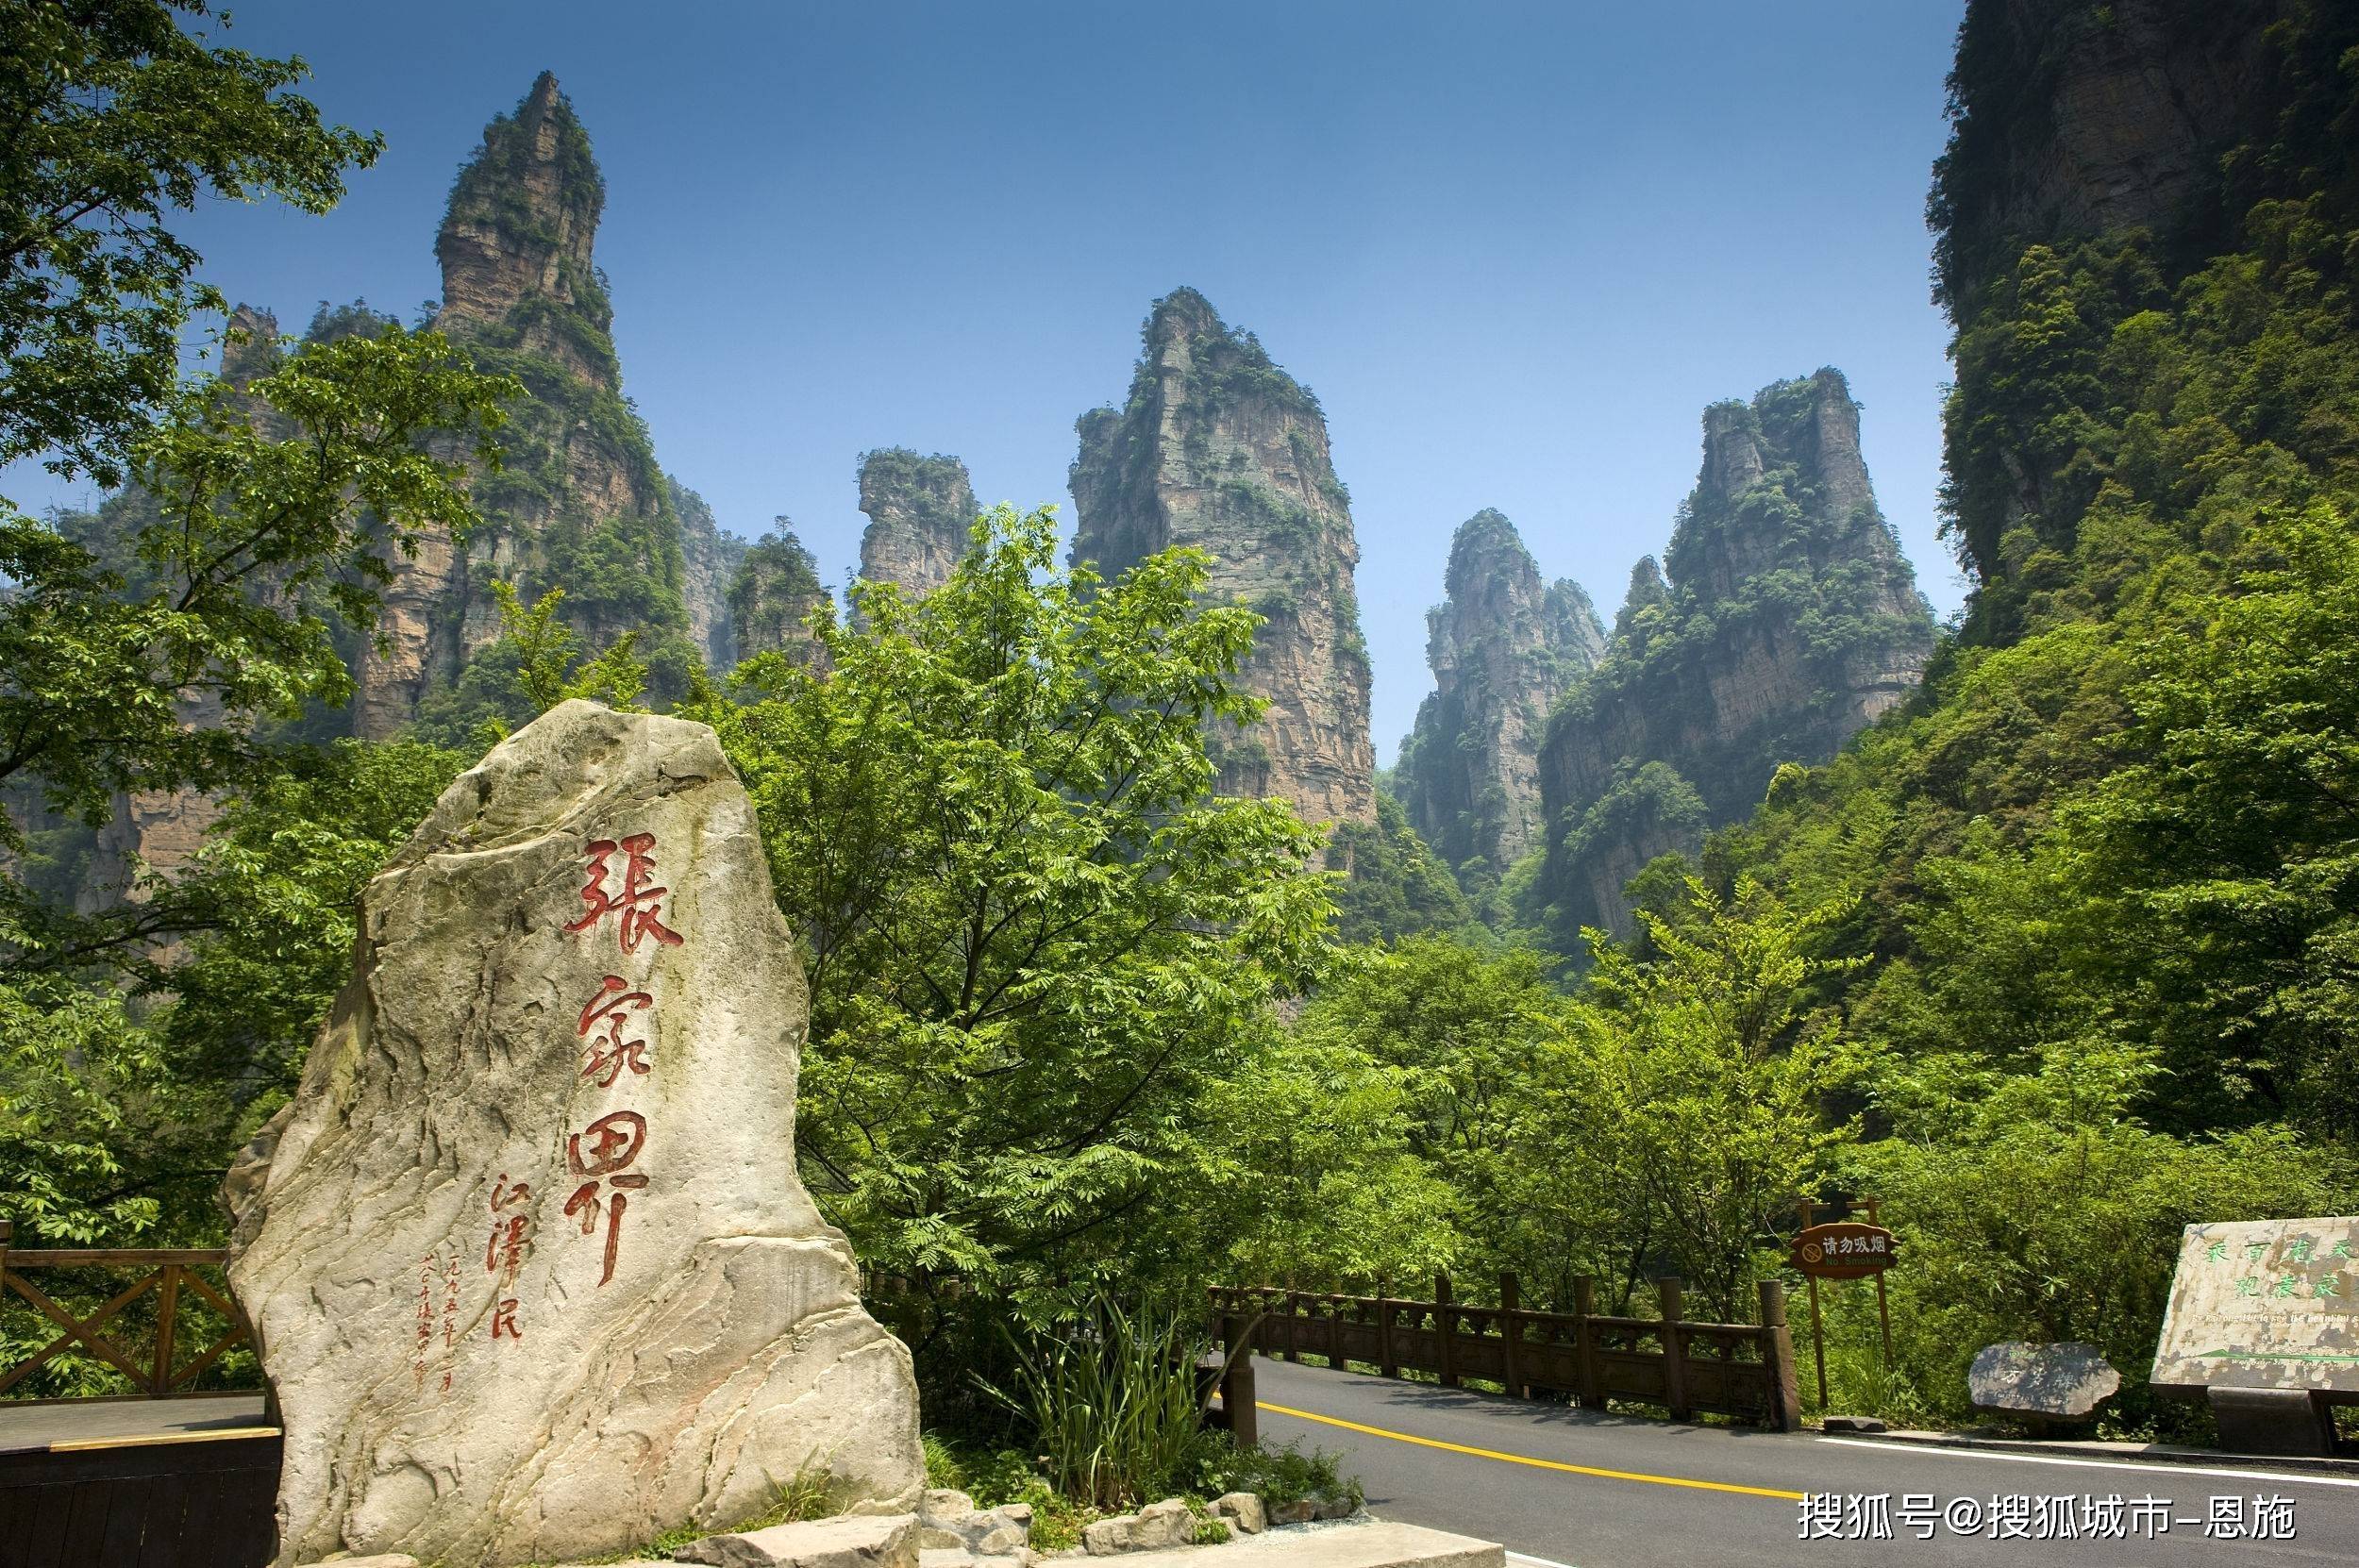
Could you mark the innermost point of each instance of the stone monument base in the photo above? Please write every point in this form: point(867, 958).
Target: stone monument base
point(2295, 1423)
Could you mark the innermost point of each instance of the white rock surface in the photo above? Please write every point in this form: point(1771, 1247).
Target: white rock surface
point(1170, 1522)
point(890, 1541)
point(527, 1256)
point(1243, 1511)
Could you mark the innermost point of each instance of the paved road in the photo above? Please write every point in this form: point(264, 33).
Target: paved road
point(1607, 1492)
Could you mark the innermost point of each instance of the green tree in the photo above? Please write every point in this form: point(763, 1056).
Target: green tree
point(119, 113)
point(258, 526)
point(2037, 1205)
point(256, 545)
point(2229, 848)
point(1034, 941)
point(1695, 1086)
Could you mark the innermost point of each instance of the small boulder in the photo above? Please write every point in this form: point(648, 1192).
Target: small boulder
point(983, 1532)
point(1326, 1506)
point(1852, 1423)
point(1300, 1512)
point(1170, 1522)
point(887, 1541)
point(1244, 1511)
point(2049, 1382)
point(944, 1501)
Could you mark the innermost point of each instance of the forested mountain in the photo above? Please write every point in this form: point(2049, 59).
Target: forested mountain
point(580, 502)
point(1789, 620)
point(1218, 448)
point(2118, 815)
point(1503, 647)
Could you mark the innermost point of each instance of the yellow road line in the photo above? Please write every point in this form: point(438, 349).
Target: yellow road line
point(1520, 1459)
point(150, 1440)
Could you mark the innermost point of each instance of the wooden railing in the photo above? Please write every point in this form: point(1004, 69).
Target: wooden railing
point(1744, 1370)
point(154, 1370)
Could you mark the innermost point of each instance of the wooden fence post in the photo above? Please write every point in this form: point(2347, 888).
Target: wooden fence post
point(1674, 1349)
point(1336, 1361)
point(167, 1313)
point(1592, 1390)
point(1777, 1360)
point(1294, 1328)
point(1511, 1330)
point(1236, 1384)
point(1444, 1330)
point(1387, 1361)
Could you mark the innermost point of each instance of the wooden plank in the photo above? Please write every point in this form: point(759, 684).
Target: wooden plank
point(38, 1258)
point(127, 1524)
point(88, 1504)
point(49, 1512)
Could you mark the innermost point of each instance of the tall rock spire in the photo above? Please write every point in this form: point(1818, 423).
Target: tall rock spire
point(516, 243)
point(1503, 647)
point(1790, 619)
point(919, 512)
point(1218, 448)
point(580, 502)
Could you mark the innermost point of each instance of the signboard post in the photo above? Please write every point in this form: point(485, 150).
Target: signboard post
point(1842, 1249)
point(2263, 1321)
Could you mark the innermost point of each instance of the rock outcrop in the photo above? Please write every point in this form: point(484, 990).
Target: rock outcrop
point(710, 559)
point(1503, 647)
point(1217, 447)
point(919, 512)
point(581, 502)
point(2079, 116)
point(526, 1258)
point(1789, 620)
point(772, 593)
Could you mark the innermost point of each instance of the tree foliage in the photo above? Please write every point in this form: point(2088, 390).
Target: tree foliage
point(121, 113)
point(1035, 943)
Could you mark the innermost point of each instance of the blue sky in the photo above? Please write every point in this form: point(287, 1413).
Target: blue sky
point(1515, 249)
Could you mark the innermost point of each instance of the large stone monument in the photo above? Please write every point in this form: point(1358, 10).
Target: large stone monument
point(2263, 1322)
point(526, 1257)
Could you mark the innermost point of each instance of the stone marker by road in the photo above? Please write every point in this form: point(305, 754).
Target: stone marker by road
point(526, 1257)
point(2050, 1383)
point(2263, 1322)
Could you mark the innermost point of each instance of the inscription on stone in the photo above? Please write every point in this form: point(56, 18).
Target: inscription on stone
point(2264, 1304)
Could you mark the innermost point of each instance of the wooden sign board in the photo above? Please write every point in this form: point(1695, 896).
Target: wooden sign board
point(1843, 1250)
point(2264, 1304)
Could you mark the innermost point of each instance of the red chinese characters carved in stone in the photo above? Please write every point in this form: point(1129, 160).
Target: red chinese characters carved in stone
point(611, 1053)
point(640, 907)
point(505, 1252)
point(614, 1141)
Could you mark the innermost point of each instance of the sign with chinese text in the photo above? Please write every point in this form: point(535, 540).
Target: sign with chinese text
point(2264, 1304)
point(1843, 1250)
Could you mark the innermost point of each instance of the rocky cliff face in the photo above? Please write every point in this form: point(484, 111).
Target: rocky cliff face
point(774, 590)
point(1789, 620)
point(919, 512)
point(1503, 647)
point(708, 559)
point(581, 502)
point(1217, 447)
point(2078, 116)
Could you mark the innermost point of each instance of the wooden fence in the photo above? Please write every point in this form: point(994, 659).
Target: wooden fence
point(1744, 1370)
point(146, 1352)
